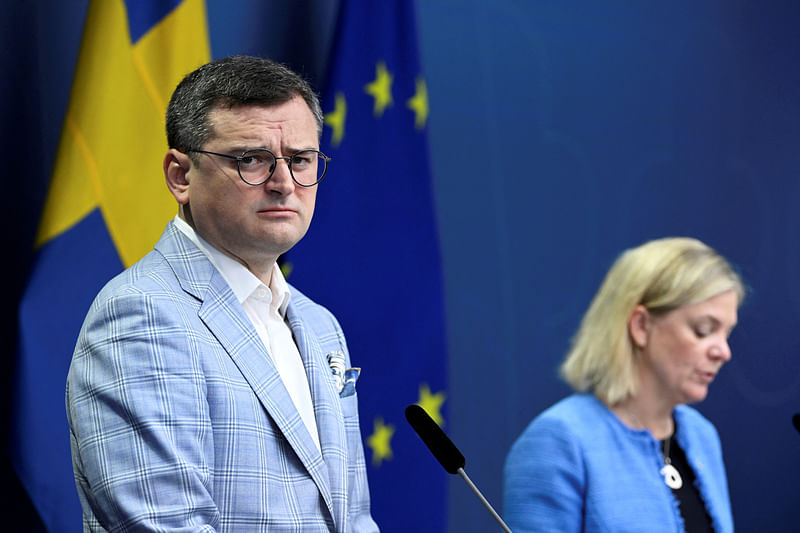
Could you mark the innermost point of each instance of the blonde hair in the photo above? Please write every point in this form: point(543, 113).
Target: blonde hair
point(661, 275)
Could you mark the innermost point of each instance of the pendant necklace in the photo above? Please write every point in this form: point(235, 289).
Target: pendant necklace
point(672, 477)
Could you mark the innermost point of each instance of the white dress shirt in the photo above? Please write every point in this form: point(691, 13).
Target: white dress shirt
point(266, 308)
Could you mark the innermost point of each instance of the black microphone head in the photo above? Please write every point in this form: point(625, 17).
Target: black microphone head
point(435, 439)
point(796, 421)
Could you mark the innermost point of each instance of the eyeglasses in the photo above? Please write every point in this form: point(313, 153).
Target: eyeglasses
point(307, 167)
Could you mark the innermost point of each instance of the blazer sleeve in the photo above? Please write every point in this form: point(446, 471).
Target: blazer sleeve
point(543, 480)
point(140, 431)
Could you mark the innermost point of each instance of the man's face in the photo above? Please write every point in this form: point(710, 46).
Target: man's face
point(253, 224)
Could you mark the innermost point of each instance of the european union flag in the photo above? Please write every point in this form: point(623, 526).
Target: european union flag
point(372, 253)
point(106, 206)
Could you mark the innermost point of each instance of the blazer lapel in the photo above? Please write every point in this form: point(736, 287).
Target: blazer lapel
point(327, 410)
point(225, 318)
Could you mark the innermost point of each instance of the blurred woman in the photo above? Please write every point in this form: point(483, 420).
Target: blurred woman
point(625, 452)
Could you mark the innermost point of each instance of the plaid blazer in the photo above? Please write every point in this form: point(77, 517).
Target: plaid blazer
point(179, 420)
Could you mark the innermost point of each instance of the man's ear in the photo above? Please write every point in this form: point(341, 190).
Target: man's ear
point(176, 170)
point(639, 325)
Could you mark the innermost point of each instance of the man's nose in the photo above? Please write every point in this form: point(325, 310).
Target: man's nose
point(281, 179)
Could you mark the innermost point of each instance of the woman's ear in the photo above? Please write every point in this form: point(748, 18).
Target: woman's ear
point(639, 326)
point(176, 170)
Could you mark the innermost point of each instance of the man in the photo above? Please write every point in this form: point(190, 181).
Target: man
point(205, 393)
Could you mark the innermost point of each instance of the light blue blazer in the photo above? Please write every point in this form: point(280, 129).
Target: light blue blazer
point(179, 420)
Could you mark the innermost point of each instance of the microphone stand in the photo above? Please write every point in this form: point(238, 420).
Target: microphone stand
point(483, 500)
point(445, 452)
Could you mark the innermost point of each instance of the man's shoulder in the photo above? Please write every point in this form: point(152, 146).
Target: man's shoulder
point(148, 275)
point(304, 305)
point(173, 261)
point(314, 315)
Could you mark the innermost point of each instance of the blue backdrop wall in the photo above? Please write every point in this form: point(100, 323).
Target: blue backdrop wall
point(560, 134)
point(564, 132)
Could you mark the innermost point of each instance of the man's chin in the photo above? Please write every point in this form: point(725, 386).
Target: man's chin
point(281, 240)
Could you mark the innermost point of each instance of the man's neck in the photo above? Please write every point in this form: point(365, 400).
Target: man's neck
point(262, 269)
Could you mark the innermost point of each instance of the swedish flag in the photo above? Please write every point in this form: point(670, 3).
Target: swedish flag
point(372, 253)
point(106, 206)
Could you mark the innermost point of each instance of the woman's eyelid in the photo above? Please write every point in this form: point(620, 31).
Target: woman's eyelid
point(706, 326)
point(701, 332)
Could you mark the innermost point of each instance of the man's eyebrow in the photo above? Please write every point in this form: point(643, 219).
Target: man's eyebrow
point(234, 150)
point(240, 149)
point(293, 150)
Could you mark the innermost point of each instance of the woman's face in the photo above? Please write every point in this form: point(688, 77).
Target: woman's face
point(682, 350)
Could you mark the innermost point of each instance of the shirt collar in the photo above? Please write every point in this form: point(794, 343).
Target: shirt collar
point(242, 282)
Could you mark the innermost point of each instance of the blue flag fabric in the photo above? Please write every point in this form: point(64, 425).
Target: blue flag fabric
point(372, 253)
point(69, 271)
point(106, 206)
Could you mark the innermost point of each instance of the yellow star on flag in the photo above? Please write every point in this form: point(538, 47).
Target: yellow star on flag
point(380, 441)
point(286, 269)
point(336, 119)
point(432, 403)
point(380, 89)
point(419, 104)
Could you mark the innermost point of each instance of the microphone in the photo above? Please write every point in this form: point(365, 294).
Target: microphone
point(445, 452)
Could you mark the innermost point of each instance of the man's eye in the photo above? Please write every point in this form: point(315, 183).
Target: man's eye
point(253, 161)
point(301, 161)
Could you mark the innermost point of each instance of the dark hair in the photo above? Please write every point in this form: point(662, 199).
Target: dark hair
point(232, 81)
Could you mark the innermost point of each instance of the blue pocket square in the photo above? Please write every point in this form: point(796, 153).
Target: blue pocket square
point(345, 377)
